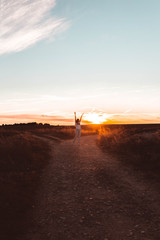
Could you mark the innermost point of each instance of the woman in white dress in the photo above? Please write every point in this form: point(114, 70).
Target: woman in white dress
point(78, 127)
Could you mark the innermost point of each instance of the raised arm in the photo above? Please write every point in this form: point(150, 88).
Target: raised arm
point(75, 116)
point(81, 116)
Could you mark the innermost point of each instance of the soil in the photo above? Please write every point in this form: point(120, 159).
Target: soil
point(86, 194)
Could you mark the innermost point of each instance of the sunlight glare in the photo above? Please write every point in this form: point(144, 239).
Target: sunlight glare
point(96, 118)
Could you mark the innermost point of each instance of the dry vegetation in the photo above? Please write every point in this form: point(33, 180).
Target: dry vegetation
point(136, 145)
point(22, 158)
point(64, 132)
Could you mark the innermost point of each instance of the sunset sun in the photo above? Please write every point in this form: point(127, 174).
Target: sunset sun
point(95, 118)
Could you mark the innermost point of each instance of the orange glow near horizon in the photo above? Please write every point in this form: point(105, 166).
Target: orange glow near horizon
point(96, 118)
point(88, 118)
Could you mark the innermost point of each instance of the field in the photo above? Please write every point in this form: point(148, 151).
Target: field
point(137, 146)
point(27, 153)
point(22, 159)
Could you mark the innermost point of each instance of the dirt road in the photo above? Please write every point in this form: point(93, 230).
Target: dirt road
point(86, 194)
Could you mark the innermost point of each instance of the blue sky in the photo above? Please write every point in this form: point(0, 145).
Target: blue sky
point(57, 57)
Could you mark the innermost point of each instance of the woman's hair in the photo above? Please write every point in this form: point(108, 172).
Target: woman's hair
point(77, 120)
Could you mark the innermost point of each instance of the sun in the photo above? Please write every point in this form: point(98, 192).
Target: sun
point(96, 118)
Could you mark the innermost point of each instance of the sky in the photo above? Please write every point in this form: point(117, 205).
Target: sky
point(97, 57)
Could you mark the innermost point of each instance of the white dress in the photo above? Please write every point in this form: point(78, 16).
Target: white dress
point(78, 126)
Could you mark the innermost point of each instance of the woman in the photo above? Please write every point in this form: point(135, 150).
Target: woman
point(78, 127)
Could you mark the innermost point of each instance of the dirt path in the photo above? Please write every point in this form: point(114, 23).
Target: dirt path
point(86, 194)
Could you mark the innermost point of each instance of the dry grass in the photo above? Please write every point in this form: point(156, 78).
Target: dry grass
point(22, 158)
point(138, 146)
point(21, 152)
point(64, 132)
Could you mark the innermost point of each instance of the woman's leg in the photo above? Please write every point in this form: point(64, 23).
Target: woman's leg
point(79, 135)
point(76, 133)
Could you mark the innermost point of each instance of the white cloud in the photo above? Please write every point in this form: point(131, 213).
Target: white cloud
point(25, 22)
